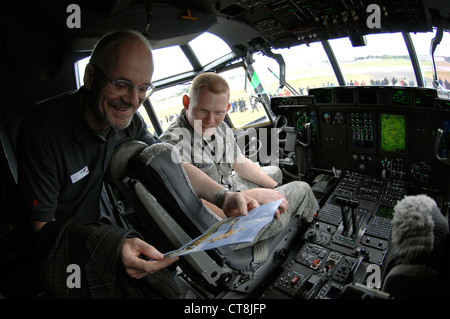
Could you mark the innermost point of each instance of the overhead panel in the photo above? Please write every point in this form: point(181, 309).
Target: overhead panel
point(286, 23)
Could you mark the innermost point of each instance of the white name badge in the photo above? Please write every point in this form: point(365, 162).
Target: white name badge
point(79, 175)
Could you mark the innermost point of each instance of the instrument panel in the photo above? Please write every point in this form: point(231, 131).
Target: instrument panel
point(384, 140)
point(388, 132)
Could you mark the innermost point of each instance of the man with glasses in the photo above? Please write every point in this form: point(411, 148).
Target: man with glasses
point(64, 147)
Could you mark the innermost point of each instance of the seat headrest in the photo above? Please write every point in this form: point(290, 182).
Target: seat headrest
point(154, 150)
point(122, 154)
point(410, 281)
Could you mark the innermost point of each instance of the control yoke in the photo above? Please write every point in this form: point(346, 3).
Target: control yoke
point(445, 160)
point(308, 135)
point(302, 152)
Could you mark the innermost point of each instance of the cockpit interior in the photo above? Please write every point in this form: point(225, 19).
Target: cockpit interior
point(364, 123)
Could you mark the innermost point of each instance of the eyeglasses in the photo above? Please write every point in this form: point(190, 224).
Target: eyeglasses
point(122, 87)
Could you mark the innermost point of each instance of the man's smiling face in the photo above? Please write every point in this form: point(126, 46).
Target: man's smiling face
point(132, 62)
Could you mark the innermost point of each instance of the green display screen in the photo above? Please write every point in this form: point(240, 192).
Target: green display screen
point(386, 212)
point(401, 97)
point(393, 132)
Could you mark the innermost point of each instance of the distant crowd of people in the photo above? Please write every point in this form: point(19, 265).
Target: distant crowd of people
point(241, 104)
point(394, 81)
point(445, 84)
point(168, 119)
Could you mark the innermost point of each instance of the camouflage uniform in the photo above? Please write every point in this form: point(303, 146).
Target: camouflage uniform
point(215, 157)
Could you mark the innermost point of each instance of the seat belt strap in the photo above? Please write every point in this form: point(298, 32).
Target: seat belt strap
point(261, 251)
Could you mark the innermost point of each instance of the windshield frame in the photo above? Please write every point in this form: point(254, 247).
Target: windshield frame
point(231, 61)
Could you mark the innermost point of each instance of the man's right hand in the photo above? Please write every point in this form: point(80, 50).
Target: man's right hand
point(266, 195)
point(137, 267)
point(235, 204)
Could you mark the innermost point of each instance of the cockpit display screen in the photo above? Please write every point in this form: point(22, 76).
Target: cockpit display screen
point(424, 97)
point(345, 96)
point(393, 132)
point(322, 96)
point(400, 97)
point(367, 95)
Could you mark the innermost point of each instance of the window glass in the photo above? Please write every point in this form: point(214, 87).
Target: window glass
point(209, 47)
point(147, 121)
point(422, 44)
point(169, 61)
point(306, 67)
point(384, 60)
point(246, 109)
point(80, 66)
point(168, 103)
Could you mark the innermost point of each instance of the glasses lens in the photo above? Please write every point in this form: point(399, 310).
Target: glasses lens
point(122, 87)
point(145, 91)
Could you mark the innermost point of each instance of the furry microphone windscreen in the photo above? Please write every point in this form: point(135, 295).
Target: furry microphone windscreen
point(417, 227)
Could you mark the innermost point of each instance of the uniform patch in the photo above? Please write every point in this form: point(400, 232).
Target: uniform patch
point(79, 175)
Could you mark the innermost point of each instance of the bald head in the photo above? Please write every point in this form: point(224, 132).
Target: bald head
point(111, 47)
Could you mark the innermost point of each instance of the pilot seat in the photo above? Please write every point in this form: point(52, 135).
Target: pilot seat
point(161, 204)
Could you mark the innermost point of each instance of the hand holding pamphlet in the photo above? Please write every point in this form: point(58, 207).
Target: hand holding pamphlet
point(233, 230)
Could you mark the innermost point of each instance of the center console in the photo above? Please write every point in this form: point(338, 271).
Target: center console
point(350, 232)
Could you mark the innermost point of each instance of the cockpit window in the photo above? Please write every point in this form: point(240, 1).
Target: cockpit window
point(79, 71)
point(167, 103)
point(306, 67)
point(169, 61)
point(422, 44)
point(217, 48)
point(384, 60)
point(246, 108)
